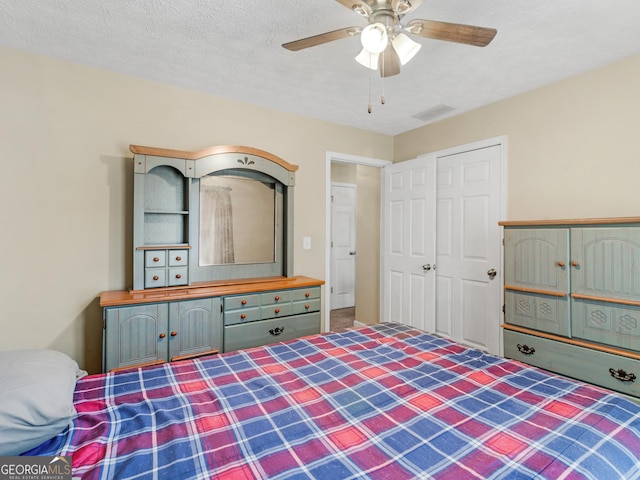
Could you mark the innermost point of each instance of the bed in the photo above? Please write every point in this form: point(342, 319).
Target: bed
point(381, 402)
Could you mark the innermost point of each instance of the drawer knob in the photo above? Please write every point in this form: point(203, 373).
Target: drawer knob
point(526, 350)
point(276, 331)
point(162, 335)
point(307, 294)
point(178, 259)
point(243, 316)
point(277, 310)
point(575, 264)
point(178, 275)
point(277, 298)
point(156, 277)
point(156, 259)
point(560, 264)
point(307, 306)
point(174, 333)
point(622, 375)
point(243, 302)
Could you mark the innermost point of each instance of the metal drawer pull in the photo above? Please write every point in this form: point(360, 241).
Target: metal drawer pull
point(277, 310)
point(178, 276)
point(156, 277)
point(525, 349)
point(277, 298)
point(162, 335)
point(173, 334)
point(178, 259)
point(156, 259)
point(307, 294)
point(243, 302)
point(622, 375)
point(276, 331)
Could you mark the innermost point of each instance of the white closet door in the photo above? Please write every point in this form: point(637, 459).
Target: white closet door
point(408, 280)
point(469, 274)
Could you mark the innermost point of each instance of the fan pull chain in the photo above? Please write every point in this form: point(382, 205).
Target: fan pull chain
point(382, 68)
point(369, 106)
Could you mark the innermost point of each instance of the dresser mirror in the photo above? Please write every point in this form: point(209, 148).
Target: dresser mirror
point(238, 219)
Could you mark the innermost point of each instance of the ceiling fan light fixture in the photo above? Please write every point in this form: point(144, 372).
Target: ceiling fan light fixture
point(403, 6)
point(405, 47)
point(374, 37)
point(368, 59)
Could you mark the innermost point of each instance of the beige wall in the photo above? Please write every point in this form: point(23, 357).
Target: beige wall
point(573, 147)
point(66, 185)
point(367, 180)
point(67, 182)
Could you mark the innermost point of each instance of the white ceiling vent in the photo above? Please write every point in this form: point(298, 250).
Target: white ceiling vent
point(434, 112)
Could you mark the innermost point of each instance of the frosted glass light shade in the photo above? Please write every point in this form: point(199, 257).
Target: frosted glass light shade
point(374, 38)
point(405, 47)
point(368, 59)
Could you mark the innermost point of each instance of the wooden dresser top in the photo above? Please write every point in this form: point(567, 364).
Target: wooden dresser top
point(217, 289)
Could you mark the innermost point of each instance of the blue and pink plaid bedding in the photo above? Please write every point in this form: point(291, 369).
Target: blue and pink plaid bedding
point(380, 402)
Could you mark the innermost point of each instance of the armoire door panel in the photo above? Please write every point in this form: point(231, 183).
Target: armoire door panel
point(540, 312)
point(537, 258)
point(605, 262)
point(607, 323)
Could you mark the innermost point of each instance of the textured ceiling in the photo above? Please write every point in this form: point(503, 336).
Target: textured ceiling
point(233, 49)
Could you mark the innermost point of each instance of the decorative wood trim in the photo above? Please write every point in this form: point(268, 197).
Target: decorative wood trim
point(196, 155)
point(573, 341)
point(534, 290)
point(605, 299)
point(138, 365)
point(580, 221)
point(194, 355)
point(155, 295)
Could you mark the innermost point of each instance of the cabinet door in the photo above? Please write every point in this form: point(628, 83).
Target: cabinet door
point(537, 258)
point(135, 335)
point(536, 278)
point(194, 328)
point(605, 284)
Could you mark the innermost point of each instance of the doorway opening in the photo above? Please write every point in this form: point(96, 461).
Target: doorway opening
point(365, 174)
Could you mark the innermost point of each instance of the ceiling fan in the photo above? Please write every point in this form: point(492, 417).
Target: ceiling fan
point(385, 46)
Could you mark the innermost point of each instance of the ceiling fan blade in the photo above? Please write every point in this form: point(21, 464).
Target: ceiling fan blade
point(322, 38)
point(452, 32)
point(389, 62)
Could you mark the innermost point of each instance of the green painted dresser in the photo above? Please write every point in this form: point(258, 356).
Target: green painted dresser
point(572, 298)
point(161, 325)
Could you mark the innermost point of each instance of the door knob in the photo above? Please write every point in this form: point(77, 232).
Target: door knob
point(492, 272)
point(352, 253)
point(426, 267)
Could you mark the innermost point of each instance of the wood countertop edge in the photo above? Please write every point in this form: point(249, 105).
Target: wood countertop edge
point(578, 221)
point(114, 298)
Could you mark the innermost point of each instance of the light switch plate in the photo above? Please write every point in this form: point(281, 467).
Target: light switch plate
point(306, 243)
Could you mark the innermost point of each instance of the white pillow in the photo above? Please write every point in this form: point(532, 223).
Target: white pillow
point(36, 397)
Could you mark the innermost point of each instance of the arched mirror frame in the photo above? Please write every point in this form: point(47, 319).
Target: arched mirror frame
point(193, 166)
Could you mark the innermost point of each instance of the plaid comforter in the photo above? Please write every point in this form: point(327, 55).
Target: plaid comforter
point(385, 402)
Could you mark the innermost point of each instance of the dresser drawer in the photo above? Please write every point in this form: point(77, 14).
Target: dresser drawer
point(178, 258)
point(263, 332)
point(275, 298)
point(309, 305)
point(155, 277)
point(305, 293)
point(243, 315)
point(155, 258)
point(546, 313)
point(241, 301)
point(178, 276)
point(585, 364)
point(274, 311)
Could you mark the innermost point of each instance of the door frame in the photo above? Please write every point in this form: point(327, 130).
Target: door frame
point(340, 158)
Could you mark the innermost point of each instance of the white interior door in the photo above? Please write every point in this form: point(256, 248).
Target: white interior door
point(408, 244)
point(343, 245)
point(469, 247)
